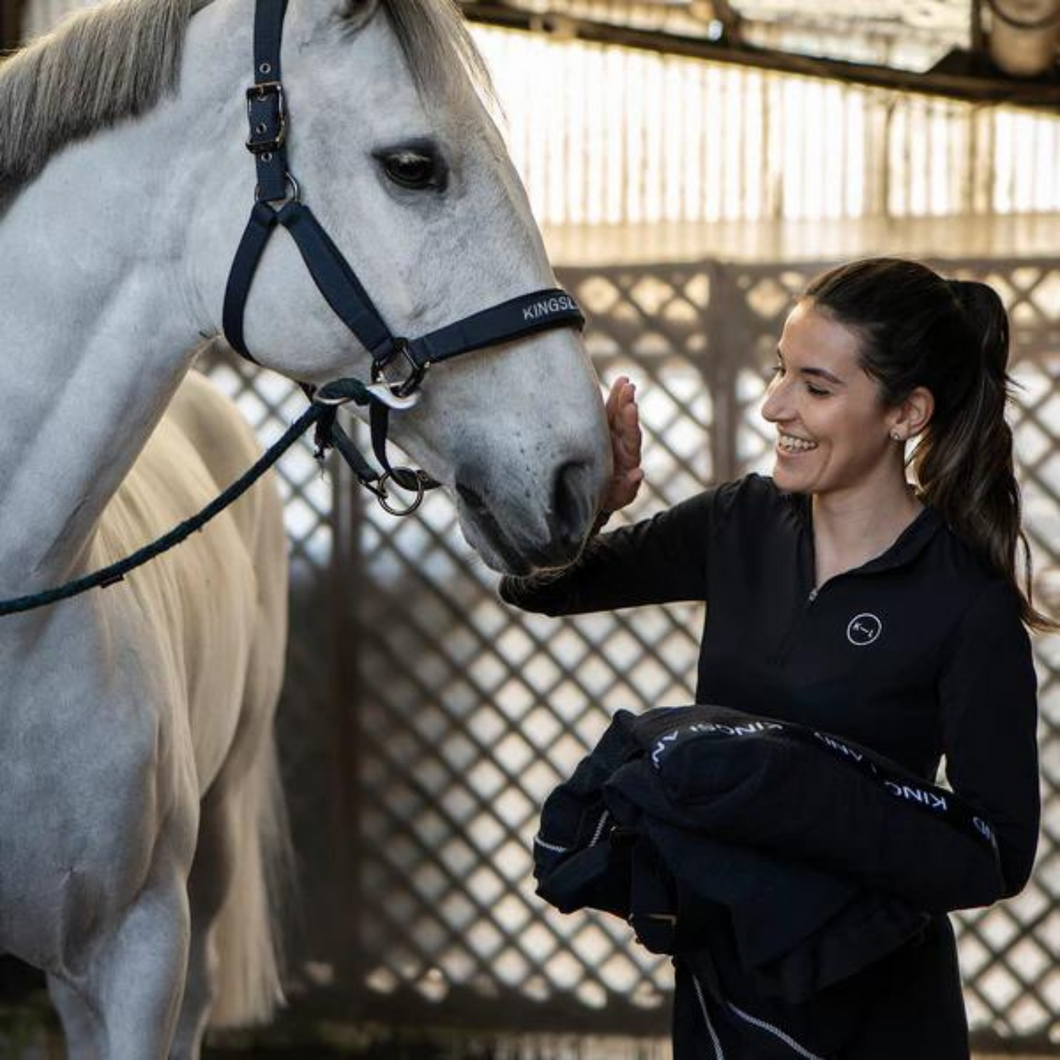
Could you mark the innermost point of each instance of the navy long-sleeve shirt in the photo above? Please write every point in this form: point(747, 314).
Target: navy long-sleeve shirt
point(918, 653)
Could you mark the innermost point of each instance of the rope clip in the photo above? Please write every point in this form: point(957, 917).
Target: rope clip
point(389, 394)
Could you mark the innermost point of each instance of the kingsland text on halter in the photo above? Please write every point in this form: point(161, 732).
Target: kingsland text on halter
point(549, 307)
point(278, 202)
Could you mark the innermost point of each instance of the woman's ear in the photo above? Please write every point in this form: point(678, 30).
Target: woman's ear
point(914, 414)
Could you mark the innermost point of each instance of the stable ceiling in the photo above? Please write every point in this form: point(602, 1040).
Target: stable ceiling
point(935, 46)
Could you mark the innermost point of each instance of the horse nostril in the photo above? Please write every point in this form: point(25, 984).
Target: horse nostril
point(568, 501)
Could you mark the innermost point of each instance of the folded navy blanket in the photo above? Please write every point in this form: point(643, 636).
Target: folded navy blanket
point(814, 855)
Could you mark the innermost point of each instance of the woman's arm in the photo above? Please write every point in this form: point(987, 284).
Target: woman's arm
point(656, 561)
point(989, 717)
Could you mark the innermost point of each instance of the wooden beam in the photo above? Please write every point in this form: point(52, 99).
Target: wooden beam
point(958, 77)
point(10, 24)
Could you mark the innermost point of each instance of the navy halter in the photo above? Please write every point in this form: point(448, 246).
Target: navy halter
point(278, 203)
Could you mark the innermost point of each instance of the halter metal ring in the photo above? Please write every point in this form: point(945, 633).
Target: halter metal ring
point(382, 494)
point(294, 189)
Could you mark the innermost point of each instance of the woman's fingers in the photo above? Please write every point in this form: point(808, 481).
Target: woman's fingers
point(631, 436)
point(626, 434)
point(616, 398)
point(623, 422)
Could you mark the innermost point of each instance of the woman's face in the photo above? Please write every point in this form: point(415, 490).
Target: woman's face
point(833, 432)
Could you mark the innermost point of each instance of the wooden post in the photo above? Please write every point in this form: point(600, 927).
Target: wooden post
point(978, 36)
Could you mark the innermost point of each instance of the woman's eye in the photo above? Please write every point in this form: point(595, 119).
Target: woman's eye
point(775, 371)
point(412, 169)
point(816, 390)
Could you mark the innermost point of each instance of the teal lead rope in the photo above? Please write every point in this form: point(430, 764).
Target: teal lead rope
point(328, 434)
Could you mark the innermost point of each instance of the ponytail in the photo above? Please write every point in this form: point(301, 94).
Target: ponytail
point(965, 467)
point(951, 337)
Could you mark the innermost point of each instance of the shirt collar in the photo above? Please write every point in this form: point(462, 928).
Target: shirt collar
point(904, 549)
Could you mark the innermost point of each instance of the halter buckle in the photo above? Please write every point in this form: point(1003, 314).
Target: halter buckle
point(276, 122)
point(407, 387)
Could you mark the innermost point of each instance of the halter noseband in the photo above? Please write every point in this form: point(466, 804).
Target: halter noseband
point(338, 283)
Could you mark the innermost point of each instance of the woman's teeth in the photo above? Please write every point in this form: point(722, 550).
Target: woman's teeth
point(791, 444)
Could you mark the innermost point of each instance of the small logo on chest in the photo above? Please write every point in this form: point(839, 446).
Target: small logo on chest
point(864, 629)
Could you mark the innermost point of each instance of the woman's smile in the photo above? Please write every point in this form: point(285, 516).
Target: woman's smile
point(792, 445)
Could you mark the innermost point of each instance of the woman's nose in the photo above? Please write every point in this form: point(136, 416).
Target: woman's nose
point(774, 402)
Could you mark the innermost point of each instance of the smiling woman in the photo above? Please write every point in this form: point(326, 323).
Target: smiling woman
point(845, 597)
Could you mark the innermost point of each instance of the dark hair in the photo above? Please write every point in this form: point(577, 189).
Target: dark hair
point(952, 337)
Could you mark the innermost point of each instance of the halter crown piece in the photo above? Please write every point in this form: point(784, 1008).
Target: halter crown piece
point(278, 202)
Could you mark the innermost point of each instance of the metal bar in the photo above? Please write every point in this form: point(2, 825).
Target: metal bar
point(1043, 94)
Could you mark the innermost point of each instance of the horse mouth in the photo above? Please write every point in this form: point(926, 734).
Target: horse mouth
point(503, 553)
point(495, 540)
point(542, 525)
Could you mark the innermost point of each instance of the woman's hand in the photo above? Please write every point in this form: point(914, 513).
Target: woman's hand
point(624, 424)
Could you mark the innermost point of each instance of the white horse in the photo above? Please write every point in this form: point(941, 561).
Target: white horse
point(139, 810)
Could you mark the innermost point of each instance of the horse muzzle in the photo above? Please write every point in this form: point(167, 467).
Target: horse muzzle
point(515, 537)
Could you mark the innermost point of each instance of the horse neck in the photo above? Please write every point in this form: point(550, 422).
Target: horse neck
point(97, 337)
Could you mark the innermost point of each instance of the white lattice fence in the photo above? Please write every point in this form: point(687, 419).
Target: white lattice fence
point(425, 721)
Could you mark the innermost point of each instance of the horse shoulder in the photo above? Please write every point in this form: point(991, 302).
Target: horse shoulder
point(197, 609)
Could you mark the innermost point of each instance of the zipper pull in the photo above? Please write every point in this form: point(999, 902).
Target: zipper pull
point(813, 596)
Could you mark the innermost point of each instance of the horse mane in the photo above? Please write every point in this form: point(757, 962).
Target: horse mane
point(437, 46)
point(115, 61)
point(96, 67)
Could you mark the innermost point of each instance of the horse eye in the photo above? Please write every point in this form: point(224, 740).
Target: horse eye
point(412, 169)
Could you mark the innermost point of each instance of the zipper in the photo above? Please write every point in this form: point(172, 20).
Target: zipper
point(781, 656)
point(811, 598)
point(785, 647)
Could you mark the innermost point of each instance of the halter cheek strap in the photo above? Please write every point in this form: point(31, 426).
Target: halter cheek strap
point(278, 204)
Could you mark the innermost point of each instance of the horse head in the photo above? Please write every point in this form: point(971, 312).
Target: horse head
point(389, 139)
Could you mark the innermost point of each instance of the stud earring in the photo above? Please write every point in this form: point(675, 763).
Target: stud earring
point(896, 436)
